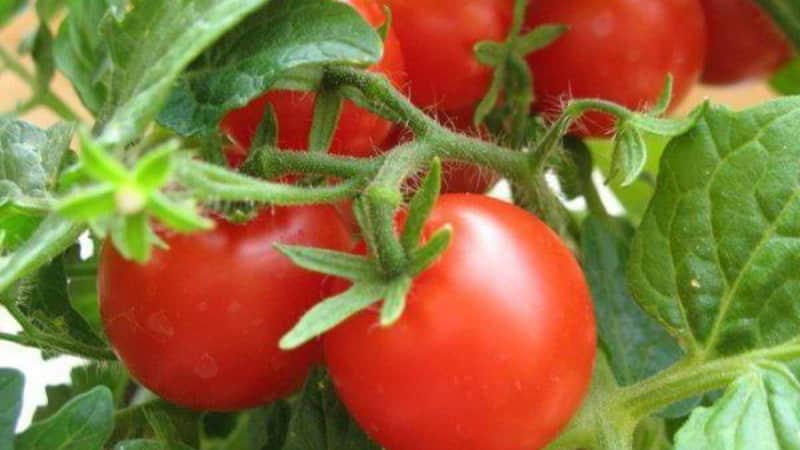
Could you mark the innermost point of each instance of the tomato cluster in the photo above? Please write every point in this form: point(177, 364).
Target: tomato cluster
point(496, 346)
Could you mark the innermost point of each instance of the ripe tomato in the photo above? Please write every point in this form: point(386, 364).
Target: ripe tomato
point(743, 42)
point(199, 324)
point(359, 131)
point(618, 50)
point(437, 37)
point(495, 348)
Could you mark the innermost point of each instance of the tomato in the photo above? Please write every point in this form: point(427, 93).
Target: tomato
point(495, 348)
point(199, 324)
point(617, 50)
point(359, 131)
point(743, 42)
point(437, 37)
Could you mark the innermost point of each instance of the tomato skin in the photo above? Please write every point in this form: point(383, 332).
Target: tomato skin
point(199, 324)
point(617, 50)
point(359, 131)
point(495, 348)
point(437, 38)
point(743, 42)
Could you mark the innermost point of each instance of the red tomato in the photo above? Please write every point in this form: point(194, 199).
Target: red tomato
point(359, 131)
point(437, 37)
point(495, 348)
point(617, 50)
point(199, 324)
point(743, 42)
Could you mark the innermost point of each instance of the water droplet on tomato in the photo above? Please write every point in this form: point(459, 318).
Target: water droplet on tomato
point(207, 367)
point(159, 323)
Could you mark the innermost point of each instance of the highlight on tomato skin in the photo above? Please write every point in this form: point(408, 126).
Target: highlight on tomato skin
point(359, 132)
point(496, 346)
point(744, 43)
point(616, 50)
point(199, 324)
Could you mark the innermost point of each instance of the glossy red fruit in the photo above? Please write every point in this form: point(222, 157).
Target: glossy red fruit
point(199, 324)
point(359, 131)
point(494, 350)
point(743, 42)
point(617, 50)
point(438, 37)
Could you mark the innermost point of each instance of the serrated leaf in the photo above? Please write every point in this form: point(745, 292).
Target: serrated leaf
point(629, 157)
point(84, 423)
point(11, 385)
point(635, 344)
point(759, 411)
point(330, 262)
point(284, 35)
point(716, 255)
point(331, 312)
point(150, 47)
point(81, 52)
point(30, 159)
point(321, 422)
point(420, 207)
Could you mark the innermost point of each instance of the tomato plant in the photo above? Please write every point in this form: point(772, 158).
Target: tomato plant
point(358, 133)
point(743, 42)
point(456, 370)
point(200, 279)
point(617, 50)
point(199, 324)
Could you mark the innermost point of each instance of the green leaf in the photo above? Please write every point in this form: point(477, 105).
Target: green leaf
point(321, 422)
point(30, 159)
point(150, 48)
point(651, 434)
point(420, 207)
point(139, 444)
point(44, 299)
point(42, 54)
point(284, 35)
point(10, 8)
point(81, 52)
point(429, 253)
point(327, 108)
point(330, 262)
point(635, 344)
point(629, 157)
point(84, 423)
point(666, 126)
point(664, 100)
point(48, 9)
point(786, 80)
point(715, 256)
point(83, 379)
point(132, 237)
point(394, 302)
point(154, 169)
point(539, 38)
point(268, 426)
point(181, 217)
point(331, 312)
point(490, 53)
point(759, 411)
point(11, 384)
point(88, 203)
point(168, 435)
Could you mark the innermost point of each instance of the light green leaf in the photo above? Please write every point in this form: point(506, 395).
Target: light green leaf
point(83, 379)
point(88, 203)
point(81, 52)
point(181, 217)
point(716, 255)
point(152, 45)
point(154, 169)
point(420, 207)
point(11, 384)
point(132, 237)
point(327, 108)
point(394, 302)
point(759, 411)
point(339, 264)
point(84, 423)
point(630, 156)
point(283, 36)
point(539, 38)
point(331, 312)
point(10, 8)
point(429, 253)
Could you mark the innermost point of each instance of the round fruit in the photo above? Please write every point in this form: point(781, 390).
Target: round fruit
point(743, 42)
point(358, 132)
point(438, 37)
point(494, 350)
point(199, 324)
point(617, 50)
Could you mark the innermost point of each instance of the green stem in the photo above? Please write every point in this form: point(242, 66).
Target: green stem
point(690, 378)
point(274, 162)
point(45, 98)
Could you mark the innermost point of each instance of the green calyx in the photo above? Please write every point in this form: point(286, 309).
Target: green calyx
point(371, 279)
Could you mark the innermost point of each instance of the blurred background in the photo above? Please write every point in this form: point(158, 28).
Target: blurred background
point(40, 373)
